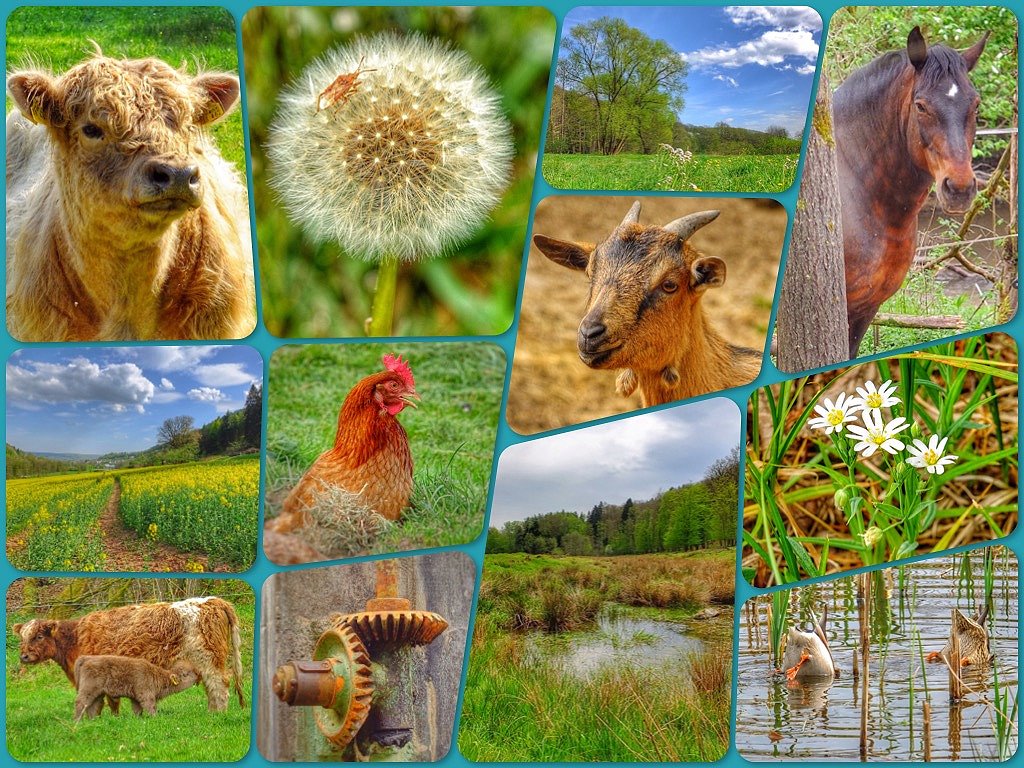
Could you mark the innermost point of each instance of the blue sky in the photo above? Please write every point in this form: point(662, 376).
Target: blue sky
point(633, 458)
point(100, 400)
point(750, 66)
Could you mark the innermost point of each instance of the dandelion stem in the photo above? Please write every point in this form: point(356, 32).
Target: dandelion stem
point(382, 313)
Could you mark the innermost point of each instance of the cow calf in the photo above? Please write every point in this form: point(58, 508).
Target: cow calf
point(123, 676)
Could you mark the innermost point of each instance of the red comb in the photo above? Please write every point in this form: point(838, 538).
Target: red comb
point(396, 364)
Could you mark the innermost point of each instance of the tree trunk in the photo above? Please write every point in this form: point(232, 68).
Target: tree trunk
point(811, 327)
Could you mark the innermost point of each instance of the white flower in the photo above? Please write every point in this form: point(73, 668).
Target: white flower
point(930, 456)
point(872, 399)
point(404, 156)
point(875, 434)
point(833, 416)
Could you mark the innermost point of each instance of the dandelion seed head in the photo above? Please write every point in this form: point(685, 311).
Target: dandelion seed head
point(424, 145)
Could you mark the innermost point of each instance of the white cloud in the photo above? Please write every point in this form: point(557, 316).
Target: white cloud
point(163, 397)
point(727, 80)
point(207, 395)
point(222, 374)
point(791, 17)
point(166, 384)
point(167, 359)
point(119, 385)
point(771, 49)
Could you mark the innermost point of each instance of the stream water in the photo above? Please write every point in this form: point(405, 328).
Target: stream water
point(622, 640)
point(776, 720)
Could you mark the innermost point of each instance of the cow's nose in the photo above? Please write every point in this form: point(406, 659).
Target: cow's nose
point(24, 658)
point(171, 180)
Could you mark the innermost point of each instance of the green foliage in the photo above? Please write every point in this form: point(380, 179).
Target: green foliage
point(704, 173)
point(631, 88)
point(57, 37)
point(41, 706)
point(451, 434)
point(472, 290)
point(235, 431)
point(688, 517)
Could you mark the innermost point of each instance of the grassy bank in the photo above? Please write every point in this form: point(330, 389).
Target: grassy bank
point(519, 707)
point(41, 724)
point(704, 173)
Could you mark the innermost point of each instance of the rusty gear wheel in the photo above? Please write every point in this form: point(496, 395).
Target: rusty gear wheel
point(353, 688)
point(406, 627)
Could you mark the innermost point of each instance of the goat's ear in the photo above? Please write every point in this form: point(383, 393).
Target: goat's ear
point(571, 255)
point(707, 272)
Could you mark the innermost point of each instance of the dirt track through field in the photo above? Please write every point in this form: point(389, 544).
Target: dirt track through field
point(550, 387)
point(126, 551)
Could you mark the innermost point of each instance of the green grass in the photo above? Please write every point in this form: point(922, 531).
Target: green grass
point(41, 709)
point(471, 290)
point(518, 707)
point(922, 296)
point(451, 433)
point(58, 37)
point(727, 173)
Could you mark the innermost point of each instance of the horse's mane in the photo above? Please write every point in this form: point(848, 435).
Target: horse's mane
point(873, 78)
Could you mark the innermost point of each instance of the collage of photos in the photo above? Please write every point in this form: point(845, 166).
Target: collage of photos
point(535, 384)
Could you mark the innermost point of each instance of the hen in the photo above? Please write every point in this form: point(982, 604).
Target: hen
point(370, 457)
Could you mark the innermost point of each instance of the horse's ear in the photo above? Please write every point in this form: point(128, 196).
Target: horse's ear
point(972, 54)
point(917, 48)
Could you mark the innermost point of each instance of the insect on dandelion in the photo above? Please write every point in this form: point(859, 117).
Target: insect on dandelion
point(394, 146)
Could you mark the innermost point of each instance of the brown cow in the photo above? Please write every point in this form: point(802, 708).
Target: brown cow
point(200, 630)
point(124, 677)
point(123, 221)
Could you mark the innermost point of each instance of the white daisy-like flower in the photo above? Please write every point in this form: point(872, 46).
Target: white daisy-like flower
point(930, 456)
point(877, 434)
point(833, 416)
point(872, 399)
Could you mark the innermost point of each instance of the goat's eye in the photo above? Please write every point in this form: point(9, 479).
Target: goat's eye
point(669, 286)
point(92, 131)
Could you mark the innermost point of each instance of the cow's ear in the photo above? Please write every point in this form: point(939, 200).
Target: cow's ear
point(47, 630)
point(35, 94)
point(217, 95)
point(16, 629)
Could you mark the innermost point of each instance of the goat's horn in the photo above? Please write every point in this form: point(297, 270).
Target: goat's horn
point(633, 217)
point(687, 225)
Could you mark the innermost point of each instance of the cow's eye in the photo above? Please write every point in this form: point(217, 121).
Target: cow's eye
point(92, 131)
point(669, 286)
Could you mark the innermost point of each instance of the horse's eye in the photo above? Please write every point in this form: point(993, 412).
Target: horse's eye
point(669, 286)
point(92, 130)
point(922, 108)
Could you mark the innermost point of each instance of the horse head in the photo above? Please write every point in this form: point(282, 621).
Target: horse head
point(942, 116)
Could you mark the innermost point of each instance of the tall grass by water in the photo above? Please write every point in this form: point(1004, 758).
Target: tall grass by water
point(523, 706)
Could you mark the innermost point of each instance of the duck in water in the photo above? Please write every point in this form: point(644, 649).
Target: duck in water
point(807, 655)
point(972, 637)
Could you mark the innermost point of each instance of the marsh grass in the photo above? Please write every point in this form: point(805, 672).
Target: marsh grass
point(793, 528)
point(519, 706)
point(451, 436)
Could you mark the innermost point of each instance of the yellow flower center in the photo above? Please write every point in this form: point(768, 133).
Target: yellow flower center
point(877, 438)
point(835, 417)
point(930, 457)
point(874, 400)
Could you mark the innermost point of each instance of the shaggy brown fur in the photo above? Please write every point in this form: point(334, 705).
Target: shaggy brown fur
point(201, 630)
point(123, 221)
point(644, 312)
point(122, 676)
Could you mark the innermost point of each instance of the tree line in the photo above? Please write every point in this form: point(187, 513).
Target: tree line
point(688, 517)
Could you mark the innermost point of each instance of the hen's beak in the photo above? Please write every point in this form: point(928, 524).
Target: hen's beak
point(411, 397)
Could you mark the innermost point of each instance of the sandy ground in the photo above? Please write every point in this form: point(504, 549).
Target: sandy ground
point(550, 387)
